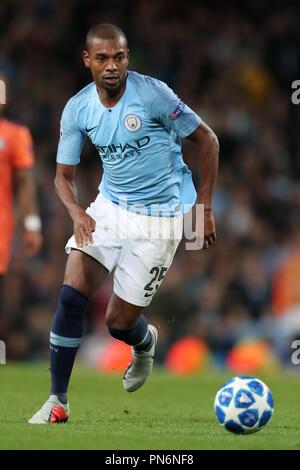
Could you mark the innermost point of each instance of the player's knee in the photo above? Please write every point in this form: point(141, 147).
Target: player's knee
point(82, 286)
point(117, 317)
point(113, 316)
point(72, 301)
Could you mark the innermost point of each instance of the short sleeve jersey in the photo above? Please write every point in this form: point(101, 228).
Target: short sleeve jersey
point(138, 141)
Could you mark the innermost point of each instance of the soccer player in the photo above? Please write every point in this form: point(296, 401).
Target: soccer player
point(16, 164)
point(136, 123)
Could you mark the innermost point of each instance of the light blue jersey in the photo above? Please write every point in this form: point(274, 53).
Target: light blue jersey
point(138, 141)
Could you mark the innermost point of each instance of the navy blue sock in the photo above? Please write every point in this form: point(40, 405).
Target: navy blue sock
point(138, 335)
point(65, 337)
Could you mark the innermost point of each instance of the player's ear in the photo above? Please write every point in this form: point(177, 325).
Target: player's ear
point(86, 59)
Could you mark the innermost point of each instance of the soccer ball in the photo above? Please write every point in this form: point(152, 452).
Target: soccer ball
point(244, 405)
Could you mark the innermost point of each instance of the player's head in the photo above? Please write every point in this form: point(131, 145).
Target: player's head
point(106, 54)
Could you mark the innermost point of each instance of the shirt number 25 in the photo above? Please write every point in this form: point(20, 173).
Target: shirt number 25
point(153, 285)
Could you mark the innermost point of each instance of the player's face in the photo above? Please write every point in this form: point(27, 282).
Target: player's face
point(108, 61)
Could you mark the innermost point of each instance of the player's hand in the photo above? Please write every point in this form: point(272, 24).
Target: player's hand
point(84, 225)
point(207, 234)
point(209, 229)
point(32, 240)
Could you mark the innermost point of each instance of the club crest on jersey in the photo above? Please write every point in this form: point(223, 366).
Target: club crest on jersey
point(132, 122)
point(178, 111)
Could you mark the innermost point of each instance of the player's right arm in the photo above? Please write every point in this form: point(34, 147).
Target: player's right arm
point(66, 190)
point(68, 156)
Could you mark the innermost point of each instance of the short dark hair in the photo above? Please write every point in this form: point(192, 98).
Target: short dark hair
point(104, 31)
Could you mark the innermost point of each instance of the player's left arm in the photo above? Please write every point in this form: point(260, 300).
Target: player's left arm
point(25, 191)
point(208, 152)
point(165, 106)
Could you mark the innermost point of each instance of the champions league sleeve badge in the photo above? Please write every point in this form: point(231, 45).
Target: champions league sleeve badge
point(178, 111)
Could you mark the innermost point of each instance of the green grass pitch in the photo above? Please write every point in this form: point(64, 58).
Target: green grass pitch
point(167, 413)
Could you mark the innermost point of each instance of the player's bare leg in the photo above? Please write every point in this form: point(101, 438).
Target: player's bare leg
point(126, 322)
point(83, 275)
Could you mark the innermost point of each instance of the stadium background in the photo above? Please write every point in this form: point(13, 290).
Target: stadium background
point(234, 64)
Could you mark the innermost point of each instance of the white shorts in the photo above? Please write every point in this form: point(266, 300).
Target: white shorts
point(138, 249)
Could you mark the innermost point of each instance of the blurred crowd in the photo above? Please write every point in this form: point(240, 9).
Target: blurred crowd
point(234, 64)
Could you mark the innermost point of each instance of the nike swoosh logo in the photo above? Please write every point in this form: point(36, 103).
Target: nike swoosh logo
point(148, 295)
point(91, 129)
